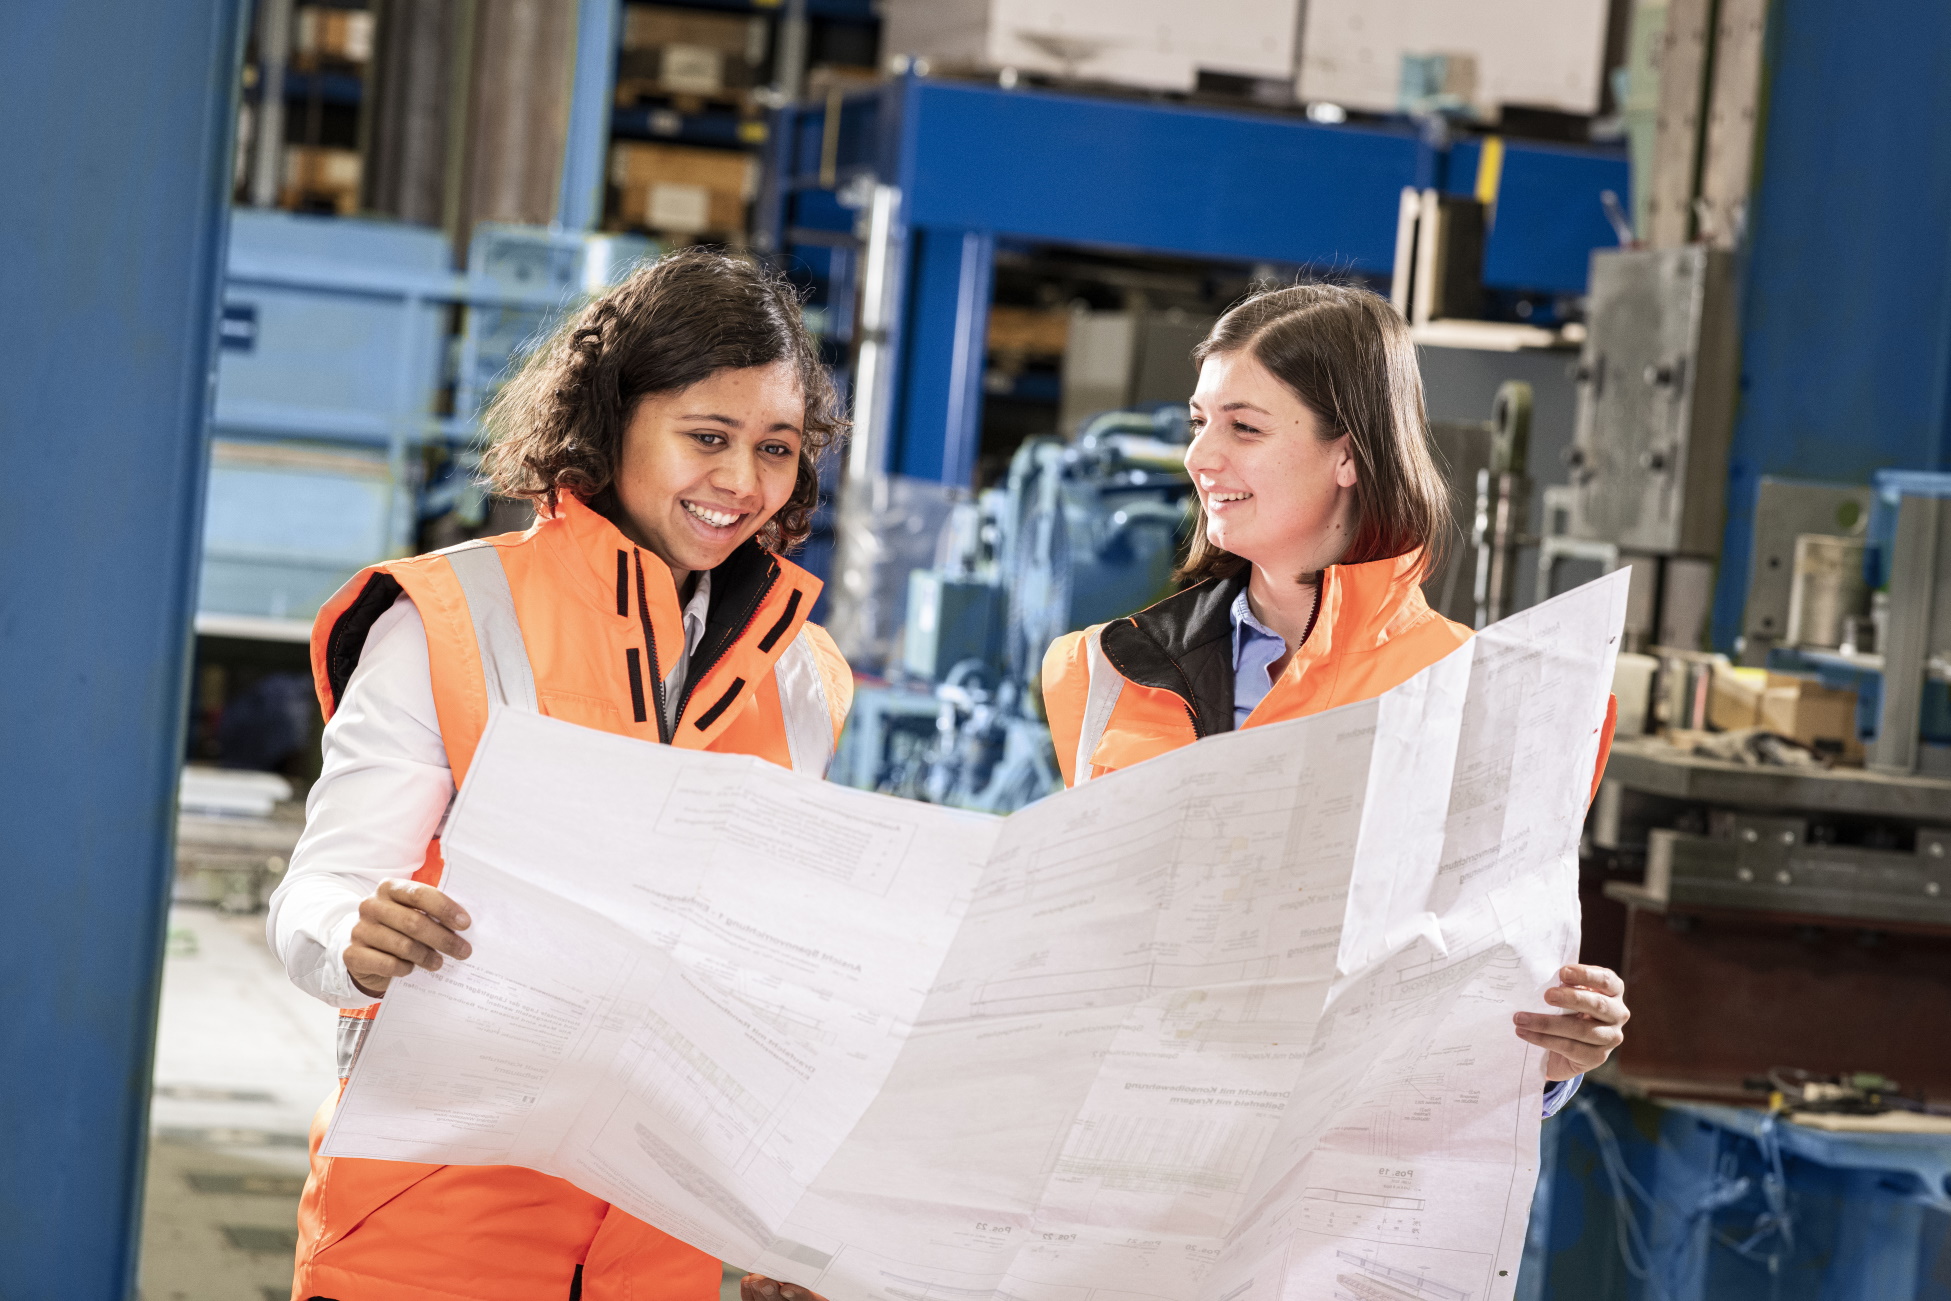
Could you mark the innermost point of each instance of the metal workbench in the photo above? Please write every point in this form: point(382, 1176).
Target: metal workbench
point(1651, 765)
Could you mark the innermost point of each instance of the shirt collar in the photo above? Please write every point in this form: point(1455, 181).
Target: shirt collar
point(695, 611)
point(1245, 626)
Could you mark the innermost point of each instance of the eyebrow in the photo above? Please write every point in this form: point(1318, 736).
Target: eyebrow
point(778, 427)
point(1245, 406)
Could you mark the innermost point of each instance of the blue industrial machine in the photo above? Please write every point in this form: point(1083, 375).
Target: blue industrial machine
point(896, 198)
point(1081, 532)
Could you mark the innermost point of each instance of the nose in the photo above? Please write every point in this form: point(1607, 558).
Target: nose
point(738, 474)
point(1202, 454)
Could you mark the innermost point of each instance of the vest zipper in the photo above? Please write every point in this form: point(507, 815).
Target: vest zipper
point(1185, 700)
point(665, 729)
point(691, 680)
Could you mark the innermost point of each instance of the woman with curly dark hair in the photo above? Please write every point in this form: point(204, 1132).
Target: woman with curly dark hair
point(669, 437)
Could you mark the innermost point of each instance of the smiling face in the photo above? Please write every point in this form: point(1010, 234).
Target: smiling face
point(1276, 493)
point(703, 468)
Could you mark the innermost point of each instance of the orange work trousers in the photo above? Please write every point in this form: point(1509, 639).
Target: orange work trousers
point(401, 1231)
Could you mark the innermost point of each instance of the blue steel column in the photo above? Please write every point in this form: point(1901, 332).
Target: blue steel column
point(1846, 305)
point(113, 205)
point(586, 150)
point(939, 410)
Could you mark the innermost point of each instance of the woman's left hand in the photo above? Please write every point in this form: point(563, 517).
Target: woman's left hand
point(1584, 1036)
point(757, 1287)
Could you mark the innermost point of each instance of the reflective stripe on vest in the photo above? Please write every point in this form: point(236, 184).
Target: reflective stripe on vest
point(510, 679)
point(497, 633)
point(1100, 700)
point(804, 708)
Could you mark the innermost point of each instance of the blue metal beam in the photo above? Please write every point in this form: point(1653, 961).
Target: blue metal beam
point(586, 148)
point(1192, 181)
point(1846, 304)
point(938, 427)
point(113, 197)
point(1549, 215)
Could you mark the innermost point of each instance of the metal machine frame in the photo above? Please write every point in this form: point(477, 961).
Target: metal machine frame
point(902, 192)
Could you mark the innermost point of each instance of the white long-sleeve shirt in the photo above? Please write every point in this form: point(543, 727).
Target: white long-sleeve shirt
point(382, 793)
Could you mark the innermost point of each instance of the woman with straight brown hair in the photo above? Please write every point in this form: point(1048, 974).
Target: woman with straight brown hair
point(1319, 509)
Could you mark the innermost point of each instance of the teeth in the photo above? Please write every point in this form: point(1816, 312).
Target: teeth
point(1228, 496)
point(716, 518)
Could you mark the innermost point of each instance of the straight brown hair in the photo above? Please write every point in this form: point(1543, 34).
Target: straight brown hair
point(1346, 353)
point(557, 426)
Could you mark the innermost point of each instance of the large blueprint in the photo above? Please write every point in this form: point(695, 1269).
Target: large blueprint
point(1230, 1025)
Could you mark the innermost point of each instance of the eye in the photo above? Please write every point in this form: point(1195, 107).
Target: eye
point(709, 438)
point(1242, 427)
point(776, 449)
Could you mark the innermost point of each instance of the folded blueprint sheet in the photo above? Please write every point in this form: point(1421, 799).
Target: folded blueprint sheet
point(1230, 1025)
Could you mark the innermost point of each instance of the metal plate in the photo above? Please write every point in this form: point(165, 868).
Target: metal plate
point(1656, 401)
point(1771, 874)
point(1783, 510)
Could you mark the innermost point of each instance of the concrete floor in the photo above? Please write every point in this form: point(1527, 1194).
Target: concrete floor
point(242, 1061)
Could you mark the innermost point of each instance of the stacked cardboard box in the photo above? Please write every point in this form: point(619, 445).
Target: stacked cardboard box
point(316, 177)
point(682, 52)
point(679, 190)
point(327, 35)
point(1029, 331)
point(1802, 709)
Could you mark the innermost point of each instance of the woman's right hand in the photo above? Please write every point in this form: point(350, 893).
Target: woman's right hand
point(757, 1287)
point(404, 925)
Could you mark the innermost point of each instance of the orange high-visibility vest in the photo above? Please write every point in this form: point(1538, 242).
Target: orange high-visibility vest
point(1126, 691)
point(572, 620)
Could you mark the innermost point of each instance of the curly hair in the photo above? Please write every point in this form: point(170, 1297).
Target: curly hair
point(557, 426)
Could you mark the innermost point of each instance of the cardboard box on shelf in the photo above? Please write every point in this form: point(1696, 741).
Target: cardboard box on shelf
point(680, 190)
point(315, 176)
point(669, 51)
point(1804, 710)
point(681, 70)
point(345, 35)
point(1029, 331)
point(651, 27)
point(1734, 697)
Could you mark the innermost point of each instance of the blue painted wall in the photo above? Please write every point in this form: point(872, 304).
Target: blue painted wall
point(112, 208)
point(1846, 311)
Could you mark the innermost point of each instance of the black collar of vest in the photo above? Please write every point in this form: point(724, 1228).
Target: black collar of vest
point(739, 586)
point(1183, 645)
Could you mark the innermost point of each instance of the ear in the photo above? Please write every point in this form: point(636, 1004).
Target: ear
point(1345, 462)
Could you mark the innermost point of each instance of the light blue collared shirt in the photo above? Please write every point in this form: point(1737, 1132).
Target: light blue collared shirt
point(1255, 648)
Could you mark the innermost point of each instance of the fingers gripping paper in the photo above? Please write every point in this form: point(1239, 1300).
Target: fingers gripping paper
point(1231, 1025)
